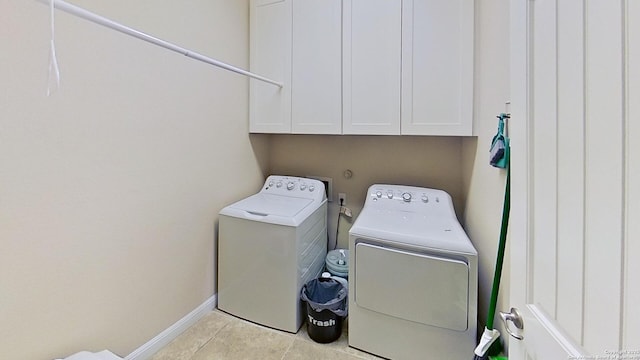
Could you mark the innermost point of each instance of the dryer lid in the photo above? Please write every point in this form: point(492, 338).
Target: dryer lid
point(276, 205)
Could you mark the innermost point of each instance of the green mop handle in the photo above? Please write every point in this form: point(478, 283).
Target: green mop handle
point(503, 240)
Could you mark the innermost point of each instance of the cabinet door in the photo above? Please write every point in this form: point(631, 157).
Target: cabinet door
point(371, 66)
point(270, 56)
point(437, 67)
point(316, 96)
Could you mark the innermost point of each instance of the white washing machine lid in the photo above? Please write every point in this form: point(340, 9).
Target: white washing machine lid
point(274, 209)
point(273, 204)
point(420, 230)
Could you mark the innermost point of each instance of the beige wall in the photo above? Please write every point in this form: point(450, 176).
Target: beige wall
point(426, 161)
point(483, 184)
point(110, 188)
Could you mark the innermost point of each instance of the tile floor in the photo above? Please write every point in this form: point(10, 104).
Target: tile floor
point(221, 336)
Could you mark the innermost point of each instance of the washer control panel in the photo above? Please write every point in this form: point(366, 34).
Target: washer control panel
point(408, 198)
point(294, 186)
point(405, 194)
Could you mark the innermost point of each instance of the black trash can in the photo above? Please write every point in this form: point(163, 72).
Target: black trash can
point(327, 304)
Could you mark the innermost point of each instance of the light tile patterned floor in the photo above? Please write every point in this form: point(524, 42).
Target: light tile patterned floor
point(224, 337)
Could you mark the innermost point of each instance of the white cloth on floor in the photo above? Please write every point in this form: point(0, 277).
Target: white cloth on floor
point(85, 355)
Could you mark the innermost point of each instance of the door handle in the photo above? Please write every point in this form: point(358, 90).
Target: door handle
point(513, 316)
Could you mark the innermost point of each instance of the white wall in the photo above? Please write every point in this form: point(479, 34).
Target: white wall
point(110, 188)
point(484, 184)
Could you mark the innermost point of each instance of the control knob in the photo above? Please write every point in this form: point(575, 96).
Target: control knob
point(303, 186)
point(290, 185)
point(406, 197)
point(279, 184)
point(379, 194)
point(390, 194)
point(311, 188)
point(425, 198)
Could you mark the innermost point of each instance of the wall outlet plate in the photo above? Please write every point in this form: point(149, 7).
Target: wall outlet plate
point(328, 185)
point(343, 197)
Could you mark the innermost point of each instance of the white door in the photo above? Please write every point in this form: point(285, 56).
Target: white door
point(575, 216)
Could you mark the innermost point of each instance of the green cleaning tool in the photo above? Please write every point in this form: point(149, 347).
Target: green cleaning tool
point(500, 154)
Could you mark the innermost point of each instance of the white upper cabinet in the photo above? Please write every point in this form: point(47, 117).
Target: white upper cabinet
point(377, 67)
point(299, 43)
point(437, 67)
point(372, 66)
point(316, 99)
point(270, 56)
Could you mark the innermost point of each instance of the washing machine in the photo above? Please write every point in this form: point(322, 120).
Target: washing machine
point(269, 245)
point(413, 277)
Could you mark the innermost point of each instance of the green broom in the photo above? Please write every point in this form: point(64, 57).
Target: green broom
point(500, 149)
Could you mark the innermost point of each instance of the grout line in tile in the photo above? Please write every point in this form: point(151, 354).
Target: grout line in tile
point(293, 338)
point(200, 348)
point(211, 338)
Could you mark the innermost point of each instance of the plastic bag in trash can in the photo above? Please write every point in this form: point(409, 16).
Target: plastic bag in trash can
point(326, 294)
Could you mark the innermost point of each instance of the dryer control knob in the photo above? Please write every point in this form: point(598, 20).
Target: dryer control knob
point(379, 194)
point(311, 188)
point(290, 185)
point(406, 197)
point(303, 186)
point(425, 198)
point(390, 194)
point(271, 183)
point(279, 184)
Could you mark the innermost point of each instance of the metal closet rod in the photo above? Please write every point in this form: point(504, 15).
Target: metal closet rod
point(100, 20)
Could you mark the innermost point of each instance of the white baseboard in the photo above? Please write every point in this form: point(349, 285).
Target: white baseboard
point(145, 351)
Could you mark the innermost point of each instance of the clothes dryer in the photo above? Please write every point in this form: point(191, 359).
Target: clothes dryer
point(413, 274)
point(269, 245)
